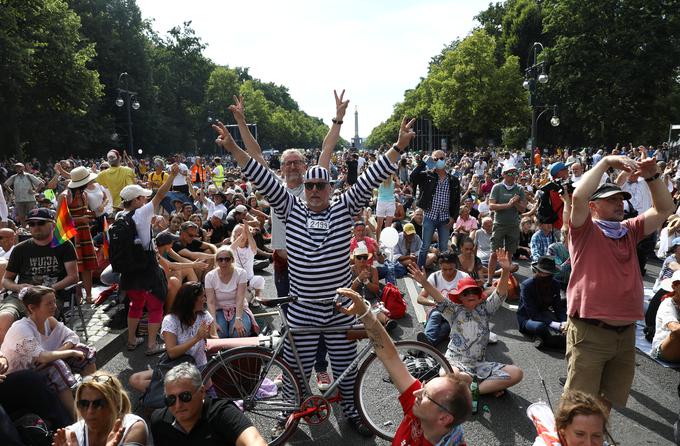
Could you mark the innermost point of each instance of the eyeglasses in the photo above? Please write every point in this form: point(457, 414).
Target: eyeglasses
point(361, 257)
point(319, 186)
point(427, 395)
point(293, 163)
point(96, 404)
point(184, 397)
point(224, 259)
point(37, 223)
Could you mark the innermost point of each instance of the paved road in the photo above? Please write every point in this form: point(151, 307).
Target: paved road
point(648, 418)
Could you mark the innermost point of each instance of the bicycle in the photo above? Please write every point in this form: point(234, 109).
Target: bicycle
point(245, 375)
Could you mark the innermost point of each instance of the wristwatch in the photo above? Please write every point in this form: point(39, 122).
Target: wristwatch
point(652, 178)
point(399, 151)
point(335, 121)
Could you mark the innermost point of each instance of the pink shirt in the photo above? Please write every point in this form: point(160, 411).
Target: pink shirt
point(605, 280)
point(468, 225)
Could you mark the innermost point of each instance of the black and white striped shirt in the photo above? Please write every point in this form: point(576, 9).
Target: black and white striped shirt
point(317, 243)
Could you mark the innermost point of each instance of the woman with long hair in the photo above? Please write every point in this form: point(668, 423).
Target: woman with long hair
point(104, 416)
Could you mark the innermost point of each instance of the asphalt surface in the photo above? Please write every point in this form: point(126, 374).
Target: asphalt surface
point(648, 418)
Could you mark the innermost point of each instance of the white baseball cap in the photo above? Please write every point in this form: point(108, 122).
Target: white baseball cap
point(133, 191)
point(240, 208)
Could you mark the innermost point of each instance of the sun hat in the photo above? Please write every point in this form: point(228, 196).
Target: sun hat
point(80, 176)
point(361, 250)
point(545, 264)
point(466, 283)
point(508, 167)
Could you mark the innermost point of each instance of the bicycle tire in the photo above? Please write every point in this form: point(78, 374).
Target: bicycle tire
point(377, 399)
point(234, 375)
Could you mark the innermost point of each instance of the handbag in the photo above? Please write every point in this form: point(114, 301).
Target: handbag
point(154, 396)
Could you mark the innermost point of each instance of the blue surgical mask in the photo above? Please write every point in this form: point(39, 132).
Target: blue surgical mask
point(440, 164)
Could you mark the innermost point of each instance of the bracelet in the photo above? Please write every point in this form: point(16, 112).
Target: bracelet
point(335, 121)
point(368, 310)
point(650, 179)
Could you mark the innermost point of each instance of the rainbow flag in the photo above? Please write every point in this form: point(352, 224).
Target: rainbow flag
point(105, 236)
point(64, 229)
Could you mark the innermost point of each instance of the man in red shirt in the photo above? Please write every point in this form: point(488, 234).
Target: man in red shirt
point(605, 293)
point(433, 411)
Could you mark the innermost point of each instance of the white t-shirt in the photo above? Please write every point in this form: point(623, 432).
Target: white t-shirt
point(668, 312)
point(181, 179)
point(128, 420)
point(142, 218)
point(444, 286)
point(172, 324)
point(244, 258)
point(225, 293)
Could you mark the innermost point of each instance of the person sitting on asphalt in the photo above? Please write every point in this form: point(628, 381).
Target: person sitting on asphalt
point(185, 329)
point(468, 311)
point(405, 252)
point(666, 341)
point(194, 418)
point(40, 342)
point(244, 247)
point(104, 413)
point(434, 411)
point(365, 282)
point(444, 281)
point(580, 420)
point(542, 238)
point(190, 246)
point(542, 312)
point(359, 236)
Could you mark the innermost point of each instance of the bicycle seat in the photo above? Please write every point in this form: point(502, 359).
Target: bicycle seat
point(276, 301)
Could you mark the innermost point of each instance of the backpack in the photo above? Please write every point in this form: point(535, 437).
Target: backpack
point(393, 301)
point(545, 212)
point(33, 430)
point(125, 255)
point(650, 314)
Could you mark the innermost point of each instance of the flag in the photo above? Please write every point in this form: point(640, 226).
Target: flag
point(105, 236)
point(64, 229)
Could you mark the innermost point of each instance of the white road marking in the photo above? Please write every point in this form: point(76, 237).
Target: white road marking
point(413, 295)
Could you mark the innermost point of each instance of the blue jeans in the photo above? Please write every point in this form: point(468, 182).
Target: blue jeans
point(391, 271)
point(429, 227)
point(437, 328)
point(227, 329)
point(532, 327)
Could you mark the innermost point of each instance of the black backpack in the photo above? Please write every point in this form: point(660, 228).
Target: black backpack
point(545, 212)
point(125, 255)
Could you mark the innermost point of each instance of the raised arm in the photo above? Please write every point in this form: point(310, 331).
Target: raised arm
point(165, 187)
point(333, 135)
point(252, 146)
point(662, 201)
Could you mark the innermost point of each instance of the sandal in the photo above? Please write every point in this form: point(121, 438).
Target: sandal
point(137, 343)
point(156, 349)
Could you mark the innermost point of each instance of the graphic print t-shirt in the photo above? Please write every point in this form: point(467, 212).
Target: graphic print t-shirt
point(40, 265)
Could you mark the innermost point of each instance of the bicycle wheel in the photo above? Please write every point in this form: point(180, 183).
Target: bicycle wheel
point(235, 374)
point(377, 398)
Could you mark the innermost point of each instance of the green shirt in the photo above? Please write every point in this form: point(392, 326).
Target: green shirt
point(501, 195)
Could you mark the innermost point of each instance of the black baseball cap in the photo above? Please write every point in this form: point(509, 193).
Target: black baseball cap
point(609, 190)
point(42, 214)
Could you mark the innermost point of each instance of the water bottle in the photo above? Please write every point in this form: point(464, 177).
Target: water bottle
point(474, 389)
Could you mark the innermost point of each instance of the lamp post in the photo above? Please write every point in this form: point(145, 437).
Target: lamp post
point(535, 74)
point(129, 99)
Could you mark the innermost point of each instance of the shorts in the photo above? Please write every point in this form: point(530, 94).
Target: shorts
point(21, 208)
point(13, 306)
point(140, 298)
point(505, 236)
point(385, 208)
point(482, 370)
point(600, 362)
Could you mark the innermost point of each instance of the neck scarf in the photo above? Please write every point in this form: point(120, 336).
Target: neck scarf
point(612, 229)
point(506, 186)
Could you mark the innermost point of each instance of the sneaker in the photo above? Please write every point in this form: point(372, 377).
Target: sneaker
point(358, 426)
point(422, 337)
point(493, 338)
point(156, 349)
point(323, 381)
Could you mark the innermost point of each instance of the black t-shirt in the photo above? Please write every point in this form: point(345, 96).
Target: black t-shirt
point(218, 234)
point(221, 424)
point(194, 246)
point(40, 265)
point(352, 171)
point(419, 228)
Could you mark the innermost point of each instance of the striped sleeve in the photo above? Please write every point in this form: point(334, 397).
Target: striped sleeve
point(360, 193)
point(278, 197)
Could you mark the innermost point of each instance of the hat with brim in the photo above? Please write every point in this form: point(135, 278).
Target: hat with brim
point(409, 229)
point(667, 284)
point(165, 238)
point(19, 165)
point(80, 176)
point(361, 250)
point(508, 168)
point(609, 190)
point(40, 214)
point(132, 191)
point(464, 284)
point(556, 168)
point(545, 264)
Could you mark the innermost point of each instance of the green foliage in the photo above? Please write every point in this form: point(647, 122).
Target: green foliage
point(515, 137)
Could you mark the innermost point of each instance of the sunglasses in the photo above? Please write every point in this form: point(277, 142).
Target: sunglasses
point(361, 257)
point(511, 174)
point(319, 186)
point(439, 159)
point(37, 223)
point(427, 395)
point(184, 397)
point(102, 379)
point(224, 259)
point(96, 404)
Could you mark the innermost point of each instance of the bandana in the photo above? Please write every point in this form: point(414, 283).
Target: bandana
point(453, 438)
point(508, 187)
point(612, 229)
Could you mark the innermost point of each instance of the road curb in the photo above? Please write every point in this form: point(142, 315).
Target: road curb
point(109, 346)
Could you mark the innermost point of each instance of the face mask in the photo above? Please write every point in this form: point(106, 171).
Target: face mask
point(440, 164)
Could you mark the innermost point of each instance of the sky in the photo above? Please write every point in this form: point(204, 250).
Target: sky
point(374, 49)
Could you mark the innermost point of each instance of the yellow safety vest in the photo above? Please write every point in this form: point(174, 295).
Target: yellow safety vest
point(219, 178)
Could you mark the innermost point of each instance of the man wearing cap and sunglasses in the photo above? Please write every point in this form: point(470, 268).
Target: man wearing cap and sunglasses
point(318, 233)
point(605, 292)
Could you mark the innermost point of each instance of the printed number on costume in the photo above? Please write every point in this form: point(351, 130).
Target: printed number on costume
point(317, 224)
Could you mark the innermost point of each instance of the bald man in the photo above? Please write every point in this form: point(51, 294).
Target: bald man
point(439, 197)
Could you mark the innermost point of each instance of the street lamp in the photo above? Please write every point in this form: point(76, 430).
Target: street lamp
point(128, 98)
point(535, 72)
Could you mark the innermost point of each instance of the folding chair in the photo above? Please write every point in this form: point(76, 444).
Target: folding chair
point(73, 295)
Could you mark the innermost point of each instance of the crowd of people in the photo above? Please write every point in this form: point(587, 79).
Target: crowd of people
point(201, 228)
